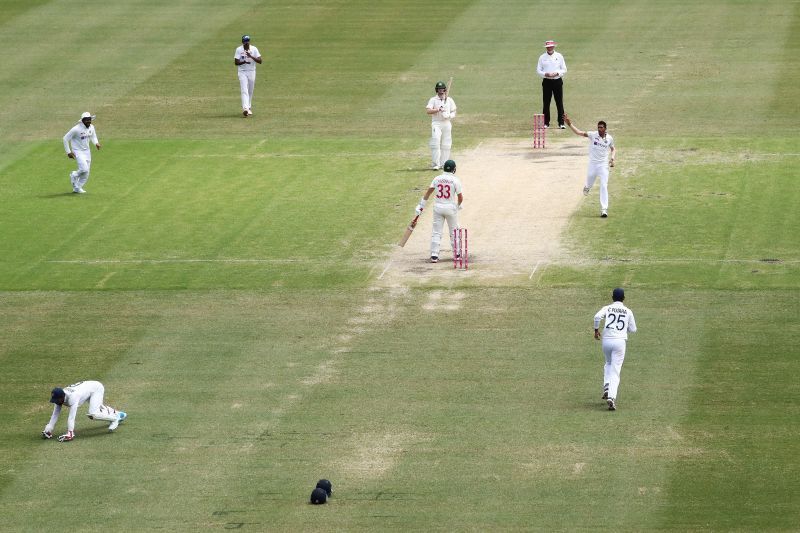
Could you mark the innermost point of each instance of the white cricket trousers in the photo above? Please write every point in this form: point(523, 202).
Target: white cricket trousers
point(599, 170)
point(247, 84)
point(614, 352)
point(441, 142)
point(98, 411)
point(84, 160)
point(442, 212)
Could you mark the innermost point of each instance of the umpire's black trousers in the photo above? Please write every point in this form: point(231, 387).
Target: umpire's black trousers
point(553, 88)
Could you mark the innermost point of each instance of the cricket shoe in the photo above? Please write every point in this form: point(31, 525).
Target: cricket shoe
point(586, 191)
point(244, 113)
point(249, 113)
point(434, 259)
point(612, 405)
point(78, 190)
point(120, 417)
point(562, 127)
point(605, 395)
point(435, 167)
point(547, 126)
point(603, 214)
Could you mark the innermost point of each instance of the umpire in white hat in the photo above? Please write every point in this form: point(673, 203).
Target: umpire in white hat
point(552, 68)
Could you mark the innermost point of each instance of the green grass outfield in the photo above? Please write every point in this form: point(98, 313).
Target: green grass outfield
point(220, 275)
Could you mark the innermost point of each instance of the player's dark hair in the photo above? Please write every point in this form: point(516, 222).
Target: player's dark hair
point(603, 122)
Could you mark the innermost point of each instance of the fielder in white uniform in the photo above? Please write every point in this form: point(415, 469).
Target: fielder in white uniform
point(618, 322)
point(601, 145)
point(442, 109)
point(245, 58)
point(76, 144)
point(448, 199)
point(74, 396)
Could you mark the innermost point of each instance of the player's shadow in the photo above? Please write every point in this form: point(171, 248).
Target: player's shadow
point(59, 195)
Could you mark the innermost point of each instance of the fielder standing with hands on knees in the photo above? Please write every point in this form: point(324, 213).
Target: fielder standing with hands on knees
point(245, 58)
point(601, 145)
point(442, 109)
point(618, 322)
point(76, 144)
point(448, 199)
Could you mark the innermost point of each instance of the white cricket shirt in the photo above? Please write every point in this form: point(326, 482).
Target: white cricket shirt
point(78, 138)
point(619, 321)
point(76, 395)
point(599, 147)
point(551, 63)
point(448, 111)
point(446, 188)
point(241, 56)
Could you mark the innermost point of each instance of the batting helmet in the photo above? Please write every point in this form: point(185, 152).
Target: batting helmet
point(449, 166)
point(325, 485)
point(618, 295)
point(318, 496)
point(441, 85)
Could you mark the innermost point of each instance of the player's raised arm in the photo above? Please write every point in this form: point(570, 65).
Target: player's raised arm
point(573, 128)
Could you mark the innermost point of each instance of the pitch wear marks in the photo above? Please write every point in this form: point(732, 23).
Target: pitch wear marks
point(619, 321)
point(446, 188)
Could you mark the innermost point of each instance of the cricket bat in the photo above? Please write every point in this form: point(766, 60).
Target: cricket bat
point(409, 231)
point(449, 85)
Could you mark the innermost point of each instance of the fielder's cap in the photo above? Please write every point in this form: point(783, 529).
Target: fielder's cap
point(245, 38)
point(57, 395)
point(618, 295)
point(548, 44)
point(449, 165)
point(325, 485)
point(86, 114)
point(318, 496)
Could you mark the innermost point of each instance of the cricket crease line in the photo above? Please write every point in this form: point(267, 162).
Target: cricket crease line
point(534, 269)
point(385, 269)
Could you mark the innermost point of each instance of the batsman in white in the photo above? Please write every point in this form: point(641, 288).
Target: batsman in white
point(74, 396)
point(601, 144)
point(76, 144)
point(245, 58)
point(448, 199)
point(442, 110)
point(618, 322)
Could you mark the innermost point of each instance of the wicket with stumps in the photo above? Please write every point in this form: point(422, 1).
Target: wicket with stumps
point(460, 248)
point(539, 131)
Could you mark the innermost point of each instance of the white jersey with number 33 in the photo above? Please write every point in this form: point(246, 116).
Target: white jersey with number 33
point(619, 321)
point(446, 188)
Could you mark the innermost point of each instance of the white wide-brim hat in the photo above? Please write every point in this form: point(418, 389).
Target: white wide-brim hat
point(548, 44)
point(86, 114)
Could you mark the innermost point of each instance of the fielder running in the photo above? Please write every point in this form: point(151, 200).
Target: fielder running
point(74, 396)
point(618, 322)
point(245, 58)
point(442, 109)
point(600, 145)
point(76, 144)
point(448, 201)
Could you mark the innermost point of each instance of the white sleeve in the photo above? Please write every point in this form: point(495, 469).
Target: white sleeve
point(540, 68)
point(563, 66)
point(631, 322)
point(73, 411)
point(453, 108)
point(94, 136)
point(53, 418)
point(67, 138)
point(601, 314)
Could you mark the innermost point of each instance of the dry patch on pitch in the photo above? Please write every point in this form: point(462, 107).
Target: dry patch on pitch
point(517, 203)
point(374, 456)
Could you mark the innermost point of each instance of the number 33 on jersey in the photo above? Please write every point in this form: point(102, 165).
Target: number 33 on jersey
point(446, 188)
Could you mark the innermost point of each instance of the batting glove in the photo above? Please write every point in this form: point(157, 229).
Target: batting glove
point(66, 437)
point(420, 206)
point(47, 435)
